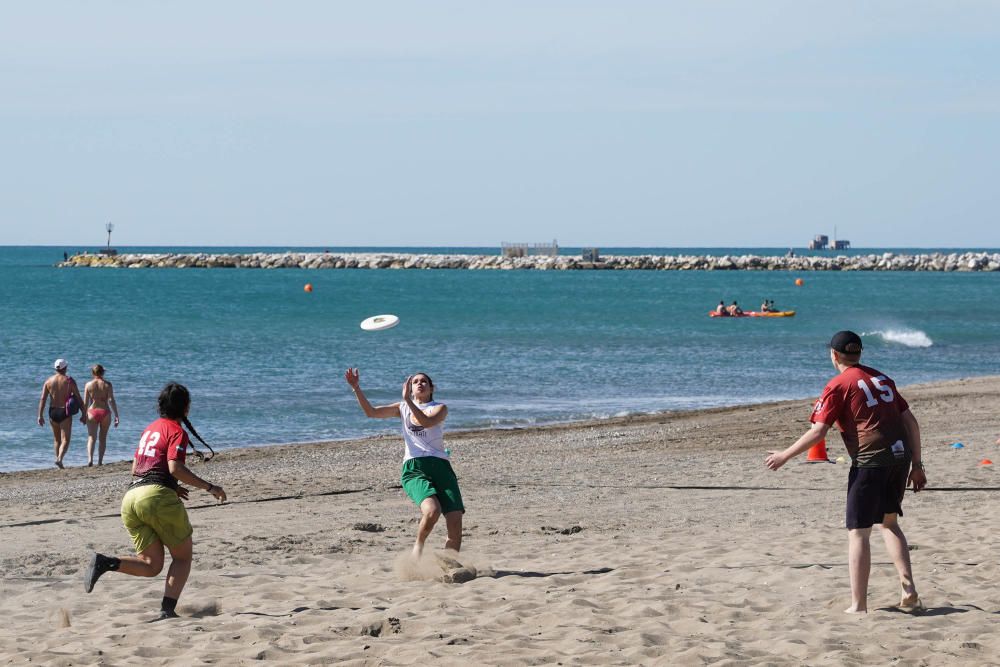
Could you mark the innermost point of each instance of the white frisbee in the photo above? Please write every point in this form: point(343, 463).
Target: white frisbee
point(379, 322)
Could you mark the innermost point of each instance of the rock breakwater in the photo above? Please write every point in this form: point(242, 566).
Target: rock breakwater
point(968, 261)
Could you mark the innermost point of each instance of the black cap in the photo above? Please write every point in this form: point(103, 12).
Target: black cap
point(847, 342)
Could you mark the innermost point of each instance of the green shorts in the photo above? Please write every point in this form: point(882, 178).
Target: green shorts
point(152, 512)
point(428, 476)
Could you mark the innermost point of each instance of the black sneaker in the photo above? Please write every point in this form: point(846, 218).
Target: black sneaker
point(99, 564)
point(164, 614)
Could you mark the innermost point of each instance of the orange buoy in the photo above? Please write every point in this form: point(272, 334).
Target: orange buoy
point(308, 287)
point(799, 282)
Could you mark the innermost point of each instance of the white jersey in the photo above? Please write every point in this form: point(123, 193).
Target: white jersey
point(421, 441)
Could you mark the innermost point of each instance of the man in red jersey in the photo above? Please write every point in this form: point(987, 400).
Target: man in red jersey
point(883, 438)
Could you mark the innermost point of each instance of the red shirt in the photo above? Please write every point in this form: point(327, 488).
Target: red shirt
point(163, 440)
point(867, 408)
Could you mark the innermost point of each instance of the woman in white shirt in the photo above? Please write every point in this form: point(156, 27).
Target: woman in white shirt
point(427, 477)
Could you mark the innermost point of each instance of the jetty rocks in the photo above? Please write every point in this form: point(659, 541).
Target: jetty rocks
point(967, 261)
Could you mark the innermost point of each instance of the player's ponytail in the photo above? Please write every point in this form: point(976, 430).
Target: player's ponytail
point(190, 428)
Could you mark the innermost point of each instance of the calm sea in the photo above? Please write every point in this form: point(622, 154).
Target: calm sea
point(264, 360)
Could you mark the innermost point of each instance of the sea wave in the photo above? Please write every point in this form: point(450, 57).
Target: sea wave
point(905, 337)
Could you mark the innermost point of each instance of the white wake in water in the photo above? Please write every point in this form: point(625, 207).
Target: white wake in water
point(906, 337)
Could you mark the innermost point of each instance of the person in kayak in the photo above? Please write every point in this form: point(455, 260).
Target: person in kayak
point(720, 310)
point(735, 310)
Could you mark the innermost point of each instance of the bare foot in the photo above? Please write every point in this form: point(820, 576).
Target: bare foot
point(911, 604)
point(856, 610)
point(59, 464)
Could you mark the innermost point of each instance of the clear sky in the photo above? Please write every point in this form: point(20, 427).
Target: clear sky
point(612, 123)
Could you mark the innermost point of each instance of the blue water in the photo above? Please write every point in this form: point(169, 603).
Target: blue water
point(264, 360)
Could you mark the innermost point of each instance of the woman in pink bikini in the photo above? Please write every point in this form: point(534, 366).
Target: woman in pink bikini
point(99, 399)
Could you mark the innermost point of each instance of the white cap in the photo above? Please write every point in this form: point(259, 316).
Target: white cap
point(60, 364)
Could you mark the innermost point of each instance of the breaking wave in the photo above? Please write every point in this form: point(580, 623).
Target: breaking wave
point(905, 337)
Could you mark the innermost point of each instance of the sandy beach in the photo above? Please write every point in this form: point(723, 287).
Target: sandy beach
point(659, 539)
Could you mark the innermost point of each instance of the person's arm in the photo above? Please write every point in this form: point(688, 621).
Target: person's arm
point(434, 415)
point(811, 437)
point(183, 474)
point(83, 406)
point(112, 402)
point(88, 396)
point(917, 478)
point(41, 403)
point(352, 376)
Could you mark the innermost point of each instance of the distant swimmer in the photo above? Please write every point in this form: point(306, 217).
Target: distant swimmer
point(883, 438)
point(64, 399)
point(427, 477)
point(152, 510)
point(99, 402)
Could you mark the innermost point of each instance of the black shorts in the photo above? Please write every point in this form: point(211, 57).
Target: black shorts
point(874, 492)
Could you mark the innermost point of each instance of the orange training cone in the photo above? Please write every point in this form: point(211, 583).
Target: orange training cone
point(817, 453)
point(986, 462)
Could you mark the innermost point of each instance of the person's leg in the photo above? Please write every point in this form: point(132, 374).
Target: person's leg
point(181, 556)
point(859, 562)
point(104, 428)
point(430, 512)
point(57, 440)
point(899, 551)
point(65, 433)
point(92, 428)
point(147, 563)
point(453, 520)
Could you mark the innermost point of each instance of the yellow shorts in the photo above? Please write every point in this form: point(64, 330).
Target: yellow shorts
point(152, 512)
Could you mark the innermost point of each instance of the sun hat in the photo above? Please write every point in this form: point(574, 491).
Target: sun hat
point(846, 342)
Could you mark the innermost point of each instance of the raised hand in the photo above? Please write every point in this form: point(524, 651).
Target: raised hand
point(406, 388)
point(352, 377)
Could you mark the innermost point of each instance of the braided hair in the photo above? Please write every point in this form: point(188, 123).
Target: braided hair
point(174, 401)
